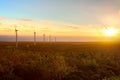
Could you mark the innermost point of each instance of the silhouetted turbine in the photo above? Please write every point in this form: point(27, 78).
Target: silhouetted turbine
point(16, 36)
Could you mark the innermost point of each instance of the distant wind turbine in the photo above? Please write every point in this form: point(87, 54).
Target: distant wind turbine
point(16, 31)
point(105, 26)
point(43, 37)
point(55, 39)
point(49, 38)
point(34, 36)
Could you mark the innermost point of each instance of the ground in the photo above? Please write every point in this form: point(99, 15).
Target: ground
point(60, 61)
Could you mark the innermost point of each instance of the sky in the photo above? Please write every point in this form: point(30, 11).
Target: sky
point(69, 20)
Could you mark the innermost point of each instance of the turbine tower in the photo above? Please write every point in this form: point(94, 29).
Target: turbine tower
point(49, 38)
point(34, 38)
point(43, 37)
point(105, 26)
point(55, 38)
point(16, 31)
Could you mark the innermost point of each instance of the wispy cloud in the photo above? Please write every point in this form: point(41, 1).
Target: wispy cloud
point(28, 26)
point(1, 18)
point(27, 20)
point(0, 23)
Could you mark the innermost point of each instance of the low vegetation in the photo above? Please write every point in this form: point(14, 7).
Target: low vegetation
point(60, 61)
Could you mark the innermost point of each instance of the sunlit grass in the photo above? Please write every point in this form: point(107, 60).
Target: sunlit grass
point(60, 61)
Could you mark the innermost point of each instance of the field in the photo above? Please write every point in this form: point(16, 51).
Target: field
point(60, 61)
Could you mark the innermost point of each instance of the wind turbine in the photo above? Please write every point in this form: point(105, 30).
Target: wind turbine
point(49, 38)
point(16, 31)
point(34, 36)
point(43, 37)
point(105, 26)
point(55, 38)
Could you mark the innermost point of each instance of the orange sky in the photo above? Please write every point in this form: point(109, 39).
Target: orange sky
point(26, 27)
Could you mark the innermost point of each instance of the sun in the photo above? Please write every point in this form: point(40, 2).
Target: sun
point(110, 32)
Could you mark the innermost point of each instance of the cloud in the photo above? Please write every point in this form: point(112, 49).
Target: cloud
point(5, 29)
point(111, 19)
point(26, 20)
point(73, 27)
point(0, 23)
point(28, 26)
point(1, 18)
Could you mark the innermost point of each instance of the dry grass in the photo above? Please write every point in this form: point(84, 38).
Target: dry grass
point(60, 61)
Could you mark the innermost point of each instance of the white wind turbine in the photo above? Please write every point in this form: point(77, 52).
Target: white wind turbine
point(44, 39)
point(55, 39)
point(16, 32)
point(49, 38)
point(34, 36)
